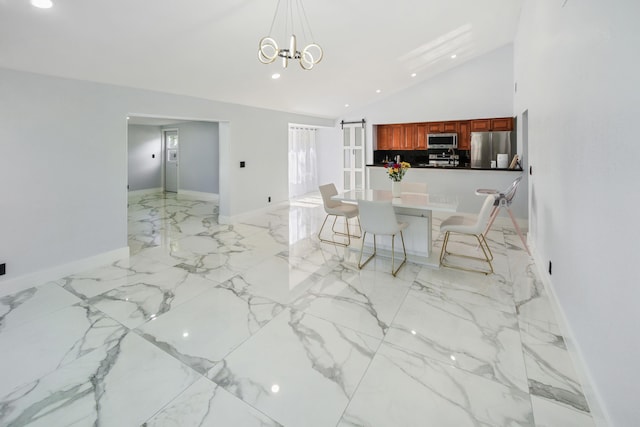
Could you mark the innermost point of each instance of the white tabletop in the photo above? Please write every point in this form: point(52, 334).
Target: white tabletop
point(431, 202)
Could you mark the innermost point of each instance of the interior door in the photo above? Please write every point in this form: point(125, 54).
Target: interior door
point(353, 138)
point(171, 161)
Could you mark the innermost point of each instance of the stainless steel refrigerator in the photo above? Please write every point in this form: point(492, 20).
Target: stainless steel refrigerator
point(485, 147)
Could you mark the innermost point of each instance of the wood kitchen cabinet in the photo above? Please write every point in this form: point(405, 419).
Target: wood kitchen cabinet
point(384, 138)
point(420, 142)
point(442, 127)
point(464, 135)
point(396, 137)
point(450, 127)
point(481, 125)
point(504, 123)
point(435, 127)
point(408, 140)
point(414, 136)
point(486, 125)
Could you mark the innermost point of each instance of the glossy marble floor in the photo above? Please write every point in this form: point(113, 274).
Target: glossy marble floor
point(259, 324)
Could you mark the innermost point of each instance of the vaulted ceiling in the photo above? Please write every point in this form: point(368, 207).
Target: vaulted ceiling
point(208, 49)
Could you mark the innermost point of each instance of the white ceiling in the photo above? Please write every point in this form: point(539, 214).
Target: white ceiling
point(208, 49)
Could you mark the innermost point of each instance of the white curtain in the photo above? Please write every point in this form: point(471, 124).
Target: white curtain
point(303, 163)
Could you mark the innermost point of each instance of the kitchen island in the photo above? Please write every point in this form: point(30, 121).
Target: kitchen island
point(459, 182)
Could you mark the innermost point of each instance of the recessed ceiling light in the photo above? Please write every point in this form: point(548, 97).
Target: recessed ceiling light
point(413, 74)
point(378, 91)
point(275, 76)
point(346, 105)
point(42, 4)
point(453, 56)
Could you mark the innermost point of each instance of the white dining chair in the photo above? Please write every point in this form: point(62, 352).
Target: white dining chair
point(413, 187)
point(337, 209)
point(472, 226)
point(379, 218)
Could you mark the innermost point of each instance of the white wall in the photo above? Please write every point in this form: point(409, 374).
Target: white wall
point(577, 70)
point(144, 170)
point(67, 168)
point(329, 149)
point(199, 156)
point(481, 87)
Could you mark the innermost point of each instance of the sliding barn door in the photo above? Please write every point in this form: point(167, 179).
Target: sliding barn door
point(353, 161)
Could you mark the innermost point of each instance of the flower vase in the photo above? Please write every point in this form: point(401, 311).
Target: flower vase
point(395, 188)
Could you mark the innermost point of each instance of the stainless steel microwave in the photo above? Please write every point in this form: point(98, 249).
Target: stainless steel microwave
point(442, 140)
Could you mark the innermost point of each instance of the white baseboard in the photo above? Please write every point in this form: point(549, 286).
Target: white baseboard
point(145, 191)
point(598, 411)
point(200, 195)
point(224, 219)
point(20, 283)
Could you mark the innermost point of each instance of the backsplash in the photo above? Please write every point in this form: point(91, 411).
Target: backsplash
point(414, 157)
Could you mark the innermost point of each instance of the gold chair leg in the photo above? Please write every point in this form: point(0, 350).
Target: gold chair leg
point(404, 250)
point(359, 228)
point(348, 232)
point(443, 251)
point(333, 242)
point(482, 242)
point(360, 263)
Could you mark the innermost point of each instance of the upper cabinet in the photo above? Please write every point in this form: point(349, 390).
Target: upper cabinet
point(396, 137)
point(413, 136)
point(481, 125)
point(504, 123)
point(436, 127)
point(464, 135)
point(384, 138)
point(450, 127)
point(485, 125)
point(442, 127)
point(420, 142)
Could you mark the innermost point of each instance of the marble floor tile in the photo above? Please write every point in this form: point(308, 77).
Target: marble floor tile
point(307, 379)
point(123, 385)
point(476, 338)
point(205, 329)
point(549, 368)
point(550, 414)
point(97, 281)
point(33, 303)
point(275, 278)
point(364, 301)
point(473, 288)
point(53, 341)
point(379, 264)
point(136, 303)
point(205, 404)
point(258, 323)
point(169, 253)
point(403, 388)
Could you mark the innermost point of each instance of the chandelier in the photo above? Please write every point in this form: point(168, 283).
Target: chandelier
point(268, 50)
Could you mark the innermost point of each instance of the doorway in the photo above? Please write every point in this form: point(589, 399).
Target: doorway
point(171, 157)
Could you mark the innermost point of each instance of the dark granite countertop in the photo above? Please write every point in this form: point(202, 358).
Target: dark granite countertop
point(452, 168)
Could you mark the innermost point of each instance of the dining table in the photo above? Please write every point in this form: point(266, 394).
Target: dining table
point(416, 209)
